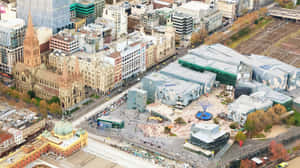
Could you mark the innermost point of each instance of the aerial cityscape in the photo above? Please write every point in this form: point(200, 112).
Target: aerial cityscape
point(149, 83)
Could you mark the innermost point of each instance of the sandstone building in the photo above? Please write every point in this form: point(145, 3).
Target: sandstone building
point(33, 75)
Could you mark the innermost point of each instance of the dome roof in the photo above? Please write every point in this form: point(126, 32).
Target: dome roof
point(63, 128)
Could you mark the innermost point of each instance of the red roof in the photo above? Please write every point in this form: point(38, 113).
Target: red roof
point(4, 136)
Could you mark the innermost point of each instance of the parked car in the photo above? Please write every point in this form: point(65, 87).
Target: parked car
point(282, 165)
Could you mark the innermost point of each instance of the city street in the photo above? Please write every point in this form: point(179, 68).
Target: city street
point(77, 122)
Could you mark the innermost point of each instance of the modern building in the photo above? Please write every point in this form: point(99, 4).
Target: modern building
point(32, 75)
point(244, 105)
point(204, 16)
point(182, 23)
point(12, 33)
point(208, 136)
point(99, 6)
point(137, 99)
point(62, 141)
point(184, 26)
point(169, 90)
point(53, 14)
point(274, 73)
point(215, 58)
point(65, 42)
point(205, 80)
point(88, 9)
point(119, 17)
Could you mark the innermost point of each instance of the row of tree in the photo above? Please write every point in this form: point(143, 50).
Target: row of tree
point(241, 23)
point(277, 152)
point(286, 4)
point(260, 120)
point(19, 99)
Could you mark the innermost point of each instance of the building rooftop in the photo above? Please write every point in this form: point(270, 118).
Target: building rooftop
point(195, 5)
point(216, 56)
point(245, 104)
point(179, 87)
point(175, 69)
point(19, 119)
point(12, 24)
point(207, 133)
point(4, 136)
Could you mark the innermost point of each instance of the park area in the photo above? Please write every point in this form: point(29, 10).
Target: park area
point(278, 39)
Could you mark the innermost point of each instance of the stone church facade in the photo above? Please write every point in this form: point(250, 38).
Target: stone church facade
point(32, 75)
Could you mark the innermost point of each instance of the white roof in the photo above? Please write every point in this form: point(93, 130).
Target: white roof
point(195, 5)
point(257, 160)
point(12, 23)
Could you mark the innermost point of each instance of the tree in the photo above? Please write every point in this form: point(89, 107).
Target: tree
point(25, 97)
point(31, 94)
point(198, 37)
point(44, 108)
point(14, 93)
point(247, 164)
point(240, 136)
point(250, 127)
point(167, 130)
point(278, 151)
point(234, 125)
point(55, 109)
point(180, 121)
point(279, 109)
point(34, 101)
point(54, 99)
point(43, 104)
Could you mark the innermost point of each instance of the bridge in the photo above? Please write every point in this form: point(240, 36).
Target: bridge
point(292, 14)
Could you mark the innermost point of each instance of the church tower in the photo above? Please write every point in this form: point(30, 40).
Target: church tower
point(32, 56)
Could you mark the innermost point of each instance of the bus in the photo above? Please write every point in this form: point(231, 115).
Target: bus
point(115, 123)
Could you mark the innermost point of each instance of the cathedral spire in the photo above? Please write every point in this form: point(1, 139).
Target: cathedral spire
point(65, 75)
point(77, 69)
point(32, 56)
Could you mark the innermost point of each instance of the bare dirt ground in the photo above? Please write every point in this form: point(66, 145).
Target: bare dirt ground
point(280, 40)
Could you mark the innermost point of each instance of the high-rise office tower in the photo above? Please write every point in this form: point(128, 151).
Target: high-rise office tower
point(12, 34)
point(53, 14)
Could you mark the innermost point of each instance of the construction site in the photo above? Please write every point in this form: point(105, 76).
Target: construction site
point(279, 39)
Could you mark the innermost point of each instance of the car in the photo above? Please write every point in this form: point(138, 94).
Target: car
point(282, 165)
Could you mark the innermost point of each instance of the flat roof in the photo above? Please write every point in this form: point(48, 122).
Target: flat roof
point(206, 134)
point(12, 23)
point(195, 5)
